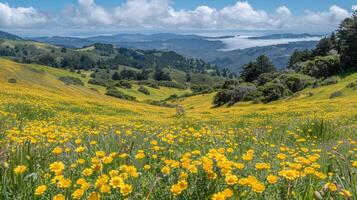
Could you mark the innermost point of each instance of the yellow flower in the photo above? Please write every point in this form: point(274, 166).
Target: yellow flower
point(77, 194)
point(331, 186)
point(147, 167)
point(346, 193)
point(80, 149)
point(175, 189)
point(125, 189)
point(20, 169)
point(116, 182)
point(262, 166)
point(105, 189)
point(281, 156)
point(57, 150)
point(231, 179)
point(40, 190)
point(258, 187)
point(228, 193)
point(57, 167)
point(94, 196)
point(81, 161)
point(272, 179)
point(289, 174)
point(87, 172)
point(100, 154)
point(218, 196)
point(59, 197)
point(140, 155)
point(64, 183)
point(165, 170)
point(354, 164)
point(309, 170)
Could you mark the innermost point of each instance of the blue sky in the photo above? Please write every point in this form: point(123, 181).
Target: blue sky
point(298, 6)
point(174, 15)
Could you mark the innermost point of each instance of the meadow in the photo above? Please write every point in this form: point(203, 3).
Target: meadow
point(61, 141)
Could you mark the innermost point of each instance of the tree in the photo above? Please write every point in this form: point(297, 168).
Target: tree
point(116, 76)
point(347, 35)
point(323, 47)
point(252, 70)
point(297, 57)
point(160, 75)
point(188, 77)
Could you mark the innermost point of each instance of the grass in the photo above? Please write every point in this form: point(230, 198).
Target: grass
point(102, 146)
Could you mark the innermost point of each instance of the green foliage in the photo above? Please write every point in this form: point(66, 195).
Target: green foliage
point(241, 92)
point(124, 84)
point(319, 129)
point(143, 90)
point(347, 34)
point(352, 85)
point(322, 67)
point(70, 80)
point(252, 70)
point(298, 57)
point(116, 76)
point(336, 94)
point(296, 82)
point(172, 84)
point(112, 91)
point(327, 81)
point(12, 80)
point(160, 75)
point(273, 91)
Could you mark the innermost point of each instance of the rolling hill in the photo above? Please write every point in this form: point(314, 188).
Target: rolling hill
point(207, 48)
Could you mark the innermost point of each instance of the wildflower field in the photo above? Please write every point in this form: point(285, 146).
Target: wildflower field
point(62, 141)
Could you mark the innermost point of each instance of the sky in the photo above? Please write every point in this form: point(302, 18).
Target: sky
point(67, 17)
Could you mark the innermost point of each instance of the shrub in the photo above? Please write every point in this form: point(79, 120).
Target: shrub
point(266, 77)
point(99, 81)
point(12, 80)
point(330, 80)
point(69, 80)
point(273, 91)
point(230, 84)
point(171, 84)
point(322, 67)
point(222, 97)
point(143, 90)
point(296, 82)
point(352, 85)
point(201, 88)
point(336, 94)
point(162, 104)
point(124, 84)
point(243, 92)
point(154, 85)
point(111, 91)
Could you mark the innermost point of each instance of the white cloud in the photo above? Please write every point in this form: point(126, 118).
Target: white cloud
point(329, 18)
point(19, 17)
point(161, 13)
point(89, 13)
point(354, 7)
point(283, 11)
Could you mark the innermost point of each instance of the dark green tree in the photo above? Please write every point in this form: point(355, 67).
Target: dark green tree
point(252, 70)
point(347, 35)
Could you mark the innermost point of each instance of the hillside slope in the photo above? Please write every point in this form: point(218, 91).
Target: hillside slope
point(38, 86)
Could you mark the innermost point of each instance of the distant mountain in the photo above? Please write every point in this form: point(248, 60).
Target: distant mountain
point(195, 46)
point(64, 41)
point(278, 54)
point(5, 35)
point(284, 36)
